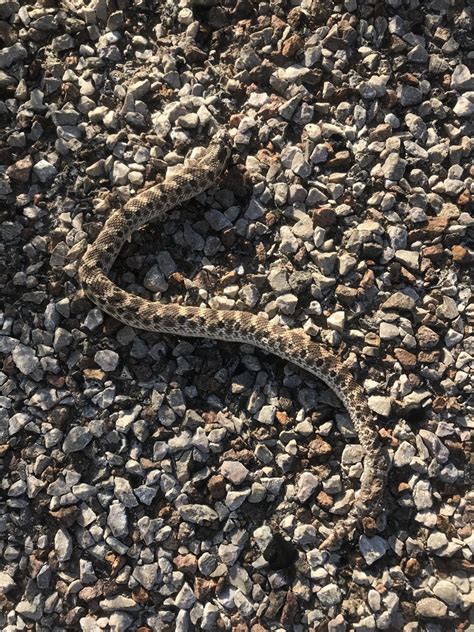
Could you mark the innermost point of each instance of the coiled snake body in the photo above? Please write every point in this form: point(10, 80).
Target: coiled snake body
point(235, 326)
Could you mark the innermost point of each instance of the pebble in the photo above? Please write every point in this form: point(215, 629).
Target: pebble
point(447, 592)
point(409, 95)
point(404, 454)
point(185, 598)
point(437, 541)
point(9, 55)
point(107, 360)
point(372, 548)
point(63, 545)
point(44, 170)
point(381, 405)
point(146, 574)
point(462, 79)
point(337, 321)
point(431, 608)
point(25, 359)
point(394, 167)
point(199, 514)
point(330, 595)
point(117, 520)
point(76, 439)
point(234, 471)
point(6, 583)
point(307, 485)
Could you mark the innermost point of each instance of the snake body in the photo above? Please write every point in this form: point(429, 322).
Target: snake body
point(234, 326)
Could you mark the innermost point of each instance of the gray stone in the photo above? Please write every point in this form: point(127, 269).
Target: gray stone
point(381, 405)
point(139, 89)
point(185, 598)
point(337, 321)
point(107, 359)
point(117, 520)
point(63, 545)
point(372, 548)
point(32, 610)
point(118, 602)
point(266, 414)
point(76, 439)
point(189, 121)
point(462, 79)
point(8, 8)
point(305, 534)
point(123, 492)
point(198, 514)
point(45, 171)
point(409, 95)
point(351, 454)
point(408, 258)
point(394, 167)
point(448, 309)
point(418, 54)
point(404, 454)
point(422, 495)
point(11, 54)
point(25, 359)
point(146, 574)
point(234, 471)
point(435, 445)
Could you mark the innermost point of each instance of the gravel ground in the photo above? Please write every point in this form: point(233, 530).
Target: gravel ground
point(151, 483)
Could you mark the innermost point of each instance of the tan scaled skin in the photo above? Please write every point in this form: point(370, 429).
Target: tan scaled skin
point(235, 326)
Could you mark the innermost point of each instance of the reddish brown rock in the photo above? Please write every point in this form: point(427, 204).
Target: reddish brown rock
point(433, 253)
point(406, 359)
point(319, 447)
point(203, 587)
point(341, 159)
point(427, 338)
point(460, 254)
point(290, 609)
point(324, 217)
point(381, 132)
point(20, 171)
point(324, 500)
point(291, 46)
point(186, 563)
point(216, 486)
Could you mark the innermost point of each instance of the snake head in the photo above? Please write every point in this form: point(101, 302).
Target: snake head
point(219, 152)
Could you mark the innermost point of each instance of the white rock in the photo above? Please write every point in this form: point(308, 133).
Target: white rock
point(6, 583)
point(447, 592)
point(307, 485)
point(329, 595)
point(44, 170)
point(381, 405)
point(462, 79)
point(431, 608)
point(337, 321)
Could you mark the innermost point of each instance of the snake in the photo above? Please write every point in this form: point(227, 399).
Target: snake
point(293, 345)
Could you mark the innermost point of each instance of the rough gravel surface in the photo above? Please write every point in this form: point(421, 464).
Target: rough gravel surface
point(156, 484)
